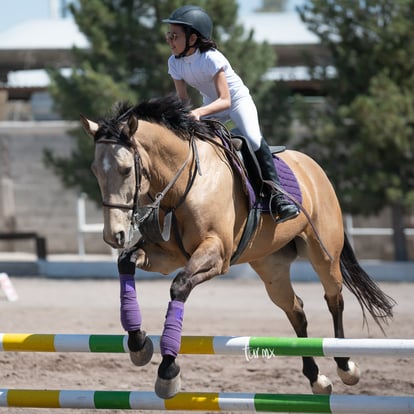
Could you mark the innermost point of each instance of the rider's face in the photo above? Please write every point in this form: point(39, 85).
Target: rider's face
point(176, 39)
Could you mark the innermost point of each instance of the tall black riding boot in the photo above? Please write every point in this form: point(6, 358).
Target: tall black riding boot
point(283, 208)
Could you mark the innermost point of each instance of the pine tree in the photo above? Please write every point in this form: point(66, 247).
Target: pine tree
point(363, 137)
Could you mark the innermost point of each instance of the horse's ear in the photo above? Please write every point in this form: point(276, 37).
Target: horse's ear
point(131, 127)
point(89, 126)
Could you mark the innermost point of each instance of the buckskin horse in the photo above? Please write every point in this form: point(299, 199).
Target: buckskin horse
point(175, 179)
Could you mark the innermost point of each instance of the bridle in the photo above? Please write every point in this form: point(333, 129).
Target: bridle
point(137, 168)
point(146, 218)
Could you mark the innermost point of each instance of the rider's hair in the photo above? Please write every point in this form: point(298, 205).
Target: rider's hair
point(201, 43)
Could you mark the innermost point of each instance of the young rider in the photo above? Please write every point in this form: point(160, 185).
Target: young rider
point(196, 61)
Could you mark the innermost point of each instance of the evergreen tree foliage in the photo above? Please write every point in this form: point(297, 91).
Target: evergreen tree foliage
point(363, 137)
point(276, 113)
point(127, 61)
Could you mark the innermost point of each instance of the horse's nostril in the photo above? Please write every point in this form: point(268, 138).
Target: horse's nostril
point(120, 238)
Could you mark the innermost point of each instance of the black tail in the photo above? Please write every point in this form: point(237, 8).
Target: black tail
point(368, 293)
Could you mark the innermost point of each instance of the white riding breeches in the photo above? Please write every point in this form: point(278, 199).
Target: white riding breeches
point(243, 113)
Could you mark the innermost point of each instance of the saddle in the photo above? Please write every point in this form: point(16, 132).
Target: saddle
point(253, 182)
point(249, 170)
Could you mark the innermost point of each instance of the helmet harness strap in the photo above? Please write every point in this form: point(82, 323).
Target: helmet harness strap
point(188, 32)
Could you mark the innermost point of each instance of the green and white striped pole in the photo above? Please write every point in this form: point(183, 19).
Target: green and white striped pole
point(209, 401)
point(250, 346)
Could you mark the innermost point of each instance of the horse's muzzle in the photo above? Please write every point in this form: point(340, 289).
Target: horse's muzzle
point(116, 240)
point(120, 238)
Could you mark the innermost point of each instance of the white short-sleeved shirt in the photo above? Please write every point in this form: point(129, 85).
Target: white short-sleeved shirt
point(198, 70)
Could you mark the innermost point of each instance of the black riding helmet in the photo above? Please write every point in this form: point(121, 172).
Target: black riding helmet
point(194, 17)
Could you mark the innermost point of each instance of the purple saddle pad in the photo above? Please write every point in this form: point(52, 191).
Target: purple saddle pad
point(288, 181)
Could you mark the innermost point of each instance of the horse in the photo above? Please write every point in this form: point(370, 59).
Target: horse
point(170, 175)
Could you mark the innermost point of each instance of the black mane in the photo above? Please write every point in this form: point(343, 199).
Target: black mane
point(167, 111)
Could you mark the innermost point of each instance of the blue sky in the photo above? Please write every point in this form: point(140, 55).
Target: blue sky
point(17, 11)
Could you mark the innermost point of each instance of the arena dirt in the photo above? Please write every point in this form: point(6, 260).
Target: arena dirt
point(218, 307)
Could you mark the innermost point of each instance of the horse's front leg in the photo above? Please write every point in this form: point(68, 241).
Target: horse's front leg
point(140, 346)
point(205, 263)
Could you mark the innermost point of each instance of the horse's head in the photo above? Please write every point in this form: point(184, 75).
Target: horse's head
point(126, 167)
point(116, 166)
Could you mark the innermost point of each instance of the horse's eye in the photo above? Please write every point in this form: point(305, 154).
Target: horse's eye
point(125, 171)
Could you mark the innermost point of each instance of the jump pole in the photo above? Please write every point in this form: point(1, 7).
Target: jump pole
point(250, 346)
point(209, 401)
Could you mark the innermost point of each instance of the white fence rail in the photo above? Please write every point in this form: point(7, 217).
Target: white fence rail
point(84, 227)
point(369, 231)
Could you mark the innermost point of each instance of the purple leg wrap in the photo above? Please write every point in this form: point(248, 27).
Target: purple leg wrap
point(130, 312)
point(170, 341)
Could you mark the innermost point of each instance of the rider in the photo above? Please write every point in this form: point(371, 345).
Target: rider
point(197, 62)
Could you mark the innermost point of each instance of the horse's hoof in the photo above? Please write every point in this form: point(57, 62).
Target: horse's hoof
point(352, 376)
point(322, 385)
point(144, 355)
point(167, 388)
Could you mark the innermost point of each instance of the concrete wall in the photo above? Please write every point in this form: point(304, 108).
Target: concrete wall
point(41, 202)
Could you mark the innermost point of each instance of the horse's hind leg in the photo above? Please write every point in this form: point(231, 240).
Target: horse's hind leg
point(330, 275)
point(348, 370)
point(275, 272)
